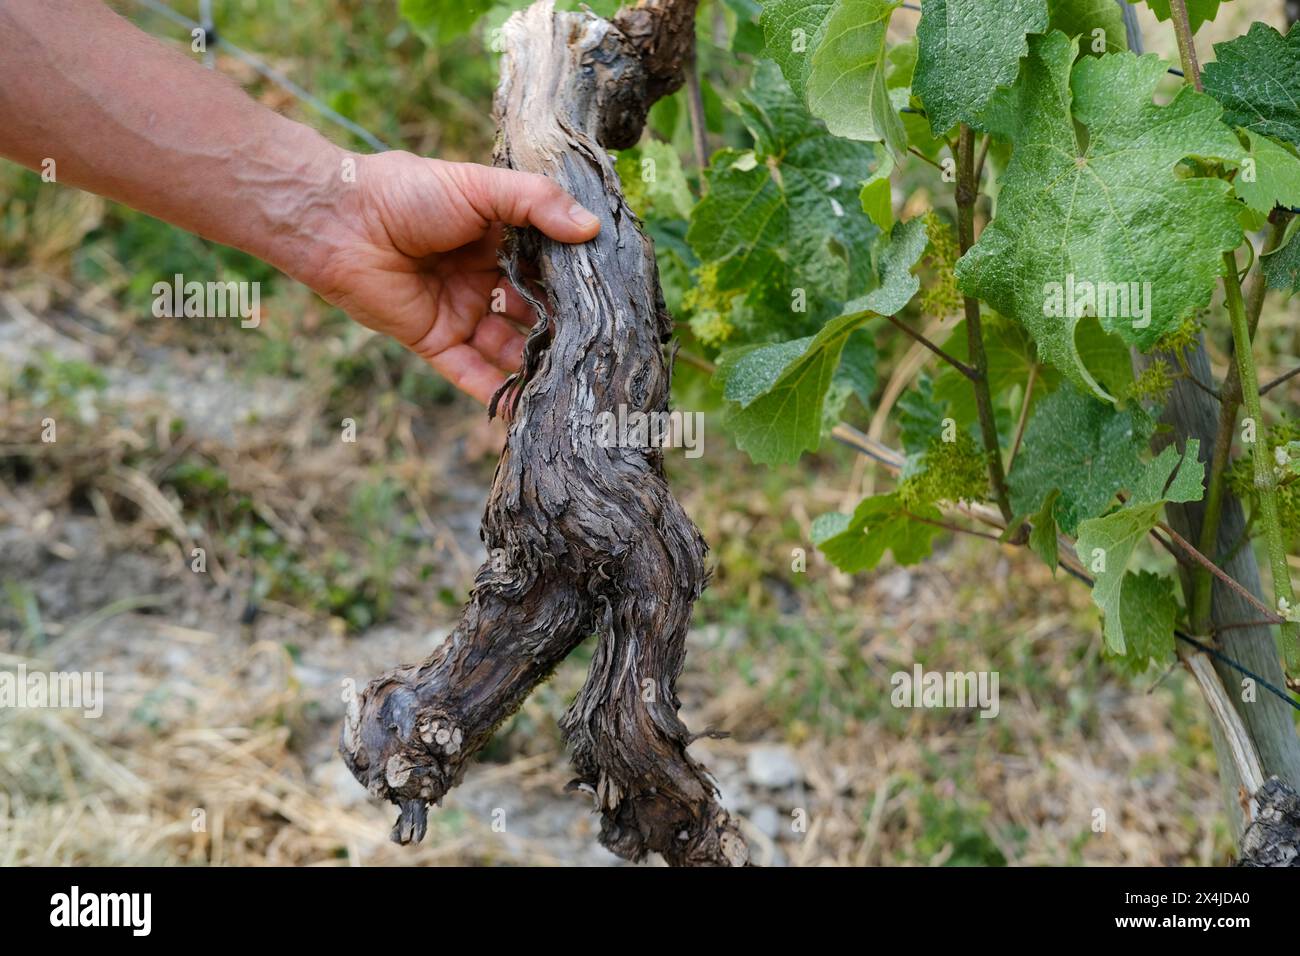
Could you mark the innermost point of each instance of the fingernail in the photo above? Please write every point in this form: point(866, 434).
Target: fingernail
point(581, 216)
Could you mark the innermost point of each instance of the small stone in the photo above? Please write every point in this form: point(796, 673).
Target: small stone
point(732, 794)
point(333, 779)
point(766, 820)
point(773, 767)
point(896, 585)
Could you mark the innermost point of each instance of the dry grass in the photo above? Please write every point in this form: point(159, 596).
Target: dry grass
point(200, 722)
point(228, 725)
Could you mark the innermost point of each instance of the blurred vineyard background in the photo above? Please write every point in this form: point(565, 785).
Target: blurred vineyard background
point(328, 560)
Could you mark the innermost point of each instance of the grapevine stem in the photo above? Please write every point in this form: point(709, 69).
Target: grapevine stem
point(696, 361)
point(954, 362)
point(951, 527)
point(979, 162)
point(1265, 479)
point(1024, 414)
point(1191, 377)
point(920, 155)
point(1229, 405)
point(1270, 385)
point(1232, 392)
point(1211, 568)
point(967, 193)
point(1186, 48)
point(699, 128)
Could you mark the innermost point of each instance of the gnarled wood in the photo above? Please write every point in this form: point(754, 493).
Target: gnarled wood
point(592, 539)
point(1273, 837)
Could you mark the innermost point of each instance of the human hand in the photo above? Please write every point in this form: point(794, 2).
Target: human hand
point(415, 257)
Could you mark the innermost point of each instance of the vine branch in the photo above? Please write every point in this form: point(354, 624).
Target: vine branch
point(956, 363)
point(1024, 415)
point(967, 193)
point(1229, 405)
point(1186, 46)
point(1265, 479)
point(1274, 383)
point(1211, 568)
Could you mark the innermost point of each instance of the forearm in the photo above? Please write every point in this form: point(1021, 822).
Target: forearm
point(123, 116)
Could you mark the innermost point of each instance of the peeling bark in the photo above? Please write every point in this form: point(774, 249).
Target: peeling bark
point(593, 540)
point(1273, 838)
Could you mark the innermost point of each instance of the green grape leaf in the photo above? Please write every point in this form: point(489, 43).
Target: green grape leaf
point(858, 365)
point(898, 79)
point(1171, 477)
point(1270, 176)
point(1108, 360)
point(443, 19)
point(1282, 265)
point(967, 49)
point(902, 64)
point(1085, 449)
point(1081, 17)
point(1042, 536)
point(906, 245)
point(877, 194)
point(1098, 224)
point(879, 524)
point(747, 34)
point(779, 391)
point(834, 56)
point(1148, 610)
point(846, 85)
point(1198, 11)
point(792, 29)
point(1105, 545)
point(784, 221)
point(1257, 79)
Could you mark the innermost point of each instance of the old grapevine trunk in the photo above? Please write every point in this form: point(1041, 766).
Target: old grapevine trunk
point(1192, 413)
point(588, 539)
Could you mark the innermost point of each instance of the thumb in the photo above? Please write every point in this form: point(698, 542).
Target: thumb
point(526, 199)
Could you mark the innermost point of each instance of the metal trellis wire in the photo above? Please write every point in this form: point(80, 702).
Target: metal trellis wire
point(211, 39)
